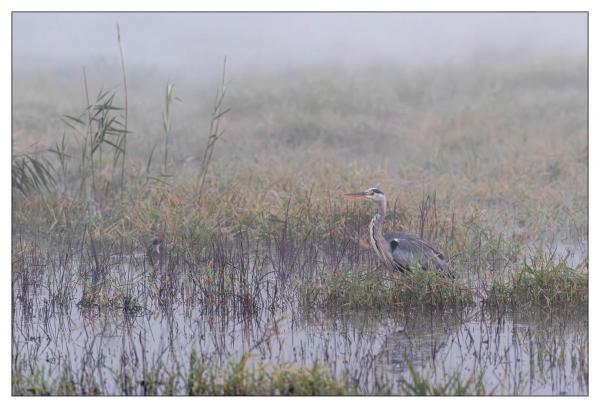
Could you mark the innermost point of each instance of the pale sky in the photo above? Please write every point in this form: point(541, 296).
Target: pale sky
point(189, 42)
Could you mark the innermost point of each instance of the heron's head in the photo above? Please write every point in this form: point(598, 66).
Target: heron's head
point(372, 193)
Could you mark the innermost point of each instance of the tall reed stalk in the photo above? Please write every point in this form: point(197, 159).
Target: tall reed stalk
point(167, 125)
point(123, 140)
point(215, 130)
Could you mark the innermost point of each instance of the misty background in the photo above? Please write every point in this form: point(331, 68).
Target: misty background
point(365, 88)
point(194, 44)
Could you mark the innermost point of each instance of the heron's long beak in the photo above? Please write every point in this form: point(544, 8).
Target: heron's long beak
point(356, 195)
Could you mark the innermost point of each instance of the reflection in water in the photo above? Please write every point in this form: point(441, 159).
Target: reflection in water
point(533, 353)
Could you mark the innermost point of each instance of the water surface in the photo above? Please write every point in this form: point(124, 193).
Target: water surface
point(531, 352)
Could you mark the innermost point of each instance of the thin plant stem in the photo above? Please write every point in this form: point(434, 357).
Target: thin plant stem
point(123, 145)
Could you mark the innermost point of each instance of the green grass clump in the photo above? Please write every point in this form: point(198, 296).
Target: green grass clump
point(539, 280)
point(378, 289)
point(38, 383)
point(544, 282)
point(453, 384)
point(240, 379)
point(202, 379)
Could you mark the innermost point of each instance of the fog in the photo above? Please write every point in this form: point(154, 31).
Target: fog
point(195, 43)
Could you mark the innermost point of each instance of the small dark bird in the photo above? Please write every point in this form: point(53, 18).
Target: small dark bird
point(156, 254)
point(398, 250)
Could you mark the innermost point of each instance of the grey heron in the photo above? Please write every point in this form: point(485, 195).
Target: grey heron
point(399, 250)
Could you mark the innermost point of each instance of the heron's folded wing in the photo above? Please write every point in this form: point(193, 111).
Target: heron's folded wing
point(409, 251)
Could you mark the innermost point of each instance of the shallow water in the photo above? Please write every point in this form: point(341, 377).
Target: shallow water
point(532, 352)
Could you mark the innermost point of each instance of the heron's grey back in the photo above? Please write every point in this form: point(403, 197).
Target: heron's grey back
point(409, 250)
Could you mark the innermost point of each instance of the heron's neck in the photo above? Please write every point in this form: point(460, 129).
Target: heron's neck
point(375, 227)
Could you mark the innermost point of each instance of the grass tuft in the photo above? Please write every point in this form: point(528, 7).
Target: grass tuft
point(543, 281)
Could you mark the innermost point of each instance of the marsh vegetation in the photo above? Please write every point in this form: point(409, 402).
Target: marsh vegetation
point(261, 279)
